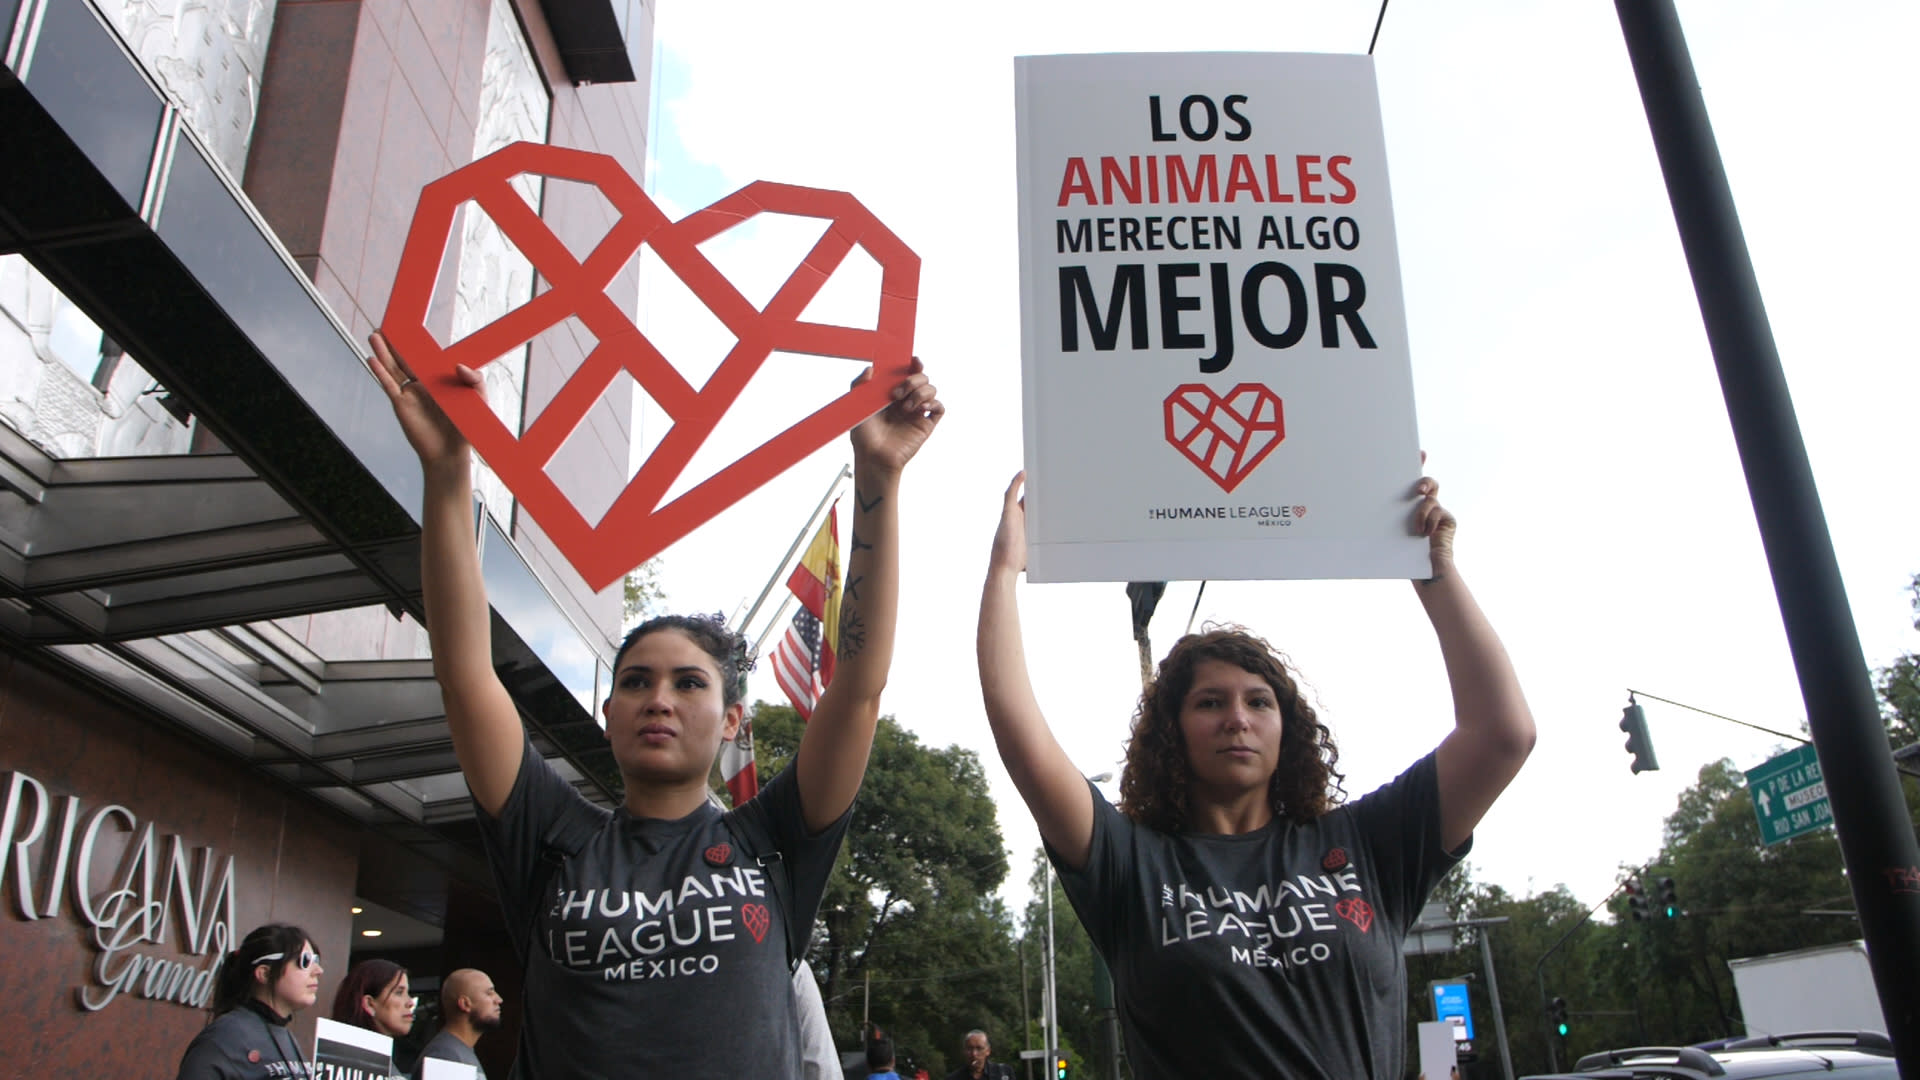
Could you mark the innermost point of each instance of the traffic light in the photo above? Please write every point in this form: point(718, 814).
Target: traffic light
point(1059, 1067)
point(1636, 901)
point(1669, 903)
point(1633, 721)
point(1557, 1015)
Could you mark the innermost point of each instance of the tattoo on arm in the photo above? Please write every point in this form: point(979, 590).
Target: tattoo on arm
point(853, 587)
point(859, 544)
point(853, 633)
point(865, 506)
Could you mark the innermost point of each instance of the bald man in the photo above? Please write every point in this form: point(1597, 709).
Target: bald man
point(978, 1066)
point(469, 1008)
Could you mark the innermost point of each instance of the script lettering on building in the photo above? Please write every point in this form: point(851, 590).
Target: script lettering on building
point(49, 847)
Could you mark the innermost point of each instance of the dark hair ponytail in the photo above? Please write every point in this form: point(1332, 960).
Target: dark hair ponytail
point(235, 985)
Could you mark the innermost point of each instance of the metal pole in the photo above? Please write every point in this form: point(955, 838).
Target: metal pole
point(1869, 814)
point(1052, 1004)
point(1553, 1059)
point(1493, 992)
point(799, 538)
point(1026, 1018)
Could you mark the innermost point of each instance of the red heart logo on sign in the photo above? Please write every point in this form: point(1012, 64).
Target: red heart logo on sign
point(757, 919)
point(1299, 511)
point(719, 854)
point(637, 527)
point(1356, 911)
point(1227, 437)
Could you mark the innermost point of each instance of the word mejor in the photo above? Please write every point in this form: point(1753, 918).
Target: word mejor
point(133, 913)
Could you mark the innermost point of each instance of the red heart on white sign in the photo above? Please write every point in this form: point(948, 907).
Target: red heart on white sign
point(1227, 437)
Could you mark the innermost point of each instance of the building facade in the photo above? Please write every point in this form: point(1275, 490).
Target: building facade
point(216, 704)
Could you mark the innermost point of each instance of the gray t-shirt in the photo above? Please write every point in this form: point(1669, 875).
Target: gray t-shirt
point(447, 1047)
point(1274, 953)
point(657, 931)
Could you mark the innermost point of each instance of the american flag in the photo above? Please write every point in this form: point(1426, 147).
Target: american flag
point(796, 662)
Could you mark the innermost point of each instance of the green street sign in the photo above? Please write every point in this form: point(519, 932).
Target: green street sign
point(1789, 795)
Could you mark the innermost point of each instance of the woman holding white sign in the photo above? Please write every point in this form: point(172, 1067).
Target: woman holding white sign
point(272, 975)
point(639, 930)
point(1253, 923)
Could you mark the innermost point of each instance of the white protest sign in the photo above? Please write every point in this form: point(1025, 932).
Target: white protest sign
point(1213, 339)
point(438, 1069)
point(346, 1052)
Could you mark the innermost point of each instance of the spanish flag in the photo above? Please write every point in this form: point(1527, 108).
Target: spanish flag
point(816, 583)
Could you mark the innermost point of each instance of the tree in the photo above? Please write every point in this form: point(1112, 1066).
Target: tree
point(910, 913)
point(641, 594)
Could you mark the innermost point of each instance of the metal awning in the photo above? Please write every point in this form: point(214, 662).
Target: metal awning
point(157, 577)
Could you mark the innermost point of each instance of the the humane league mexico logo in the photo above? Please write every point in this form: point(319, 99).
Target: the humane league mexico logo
point(627, 935)
point(1287, 925)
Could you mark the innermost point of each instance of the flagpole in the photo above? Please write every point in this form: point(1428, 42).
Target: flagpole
point(799, 538)
point(773, 623)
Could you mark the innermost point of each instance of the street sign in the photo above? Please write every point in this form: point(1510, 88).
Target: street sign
point(1789, 795)
point(1423, 939)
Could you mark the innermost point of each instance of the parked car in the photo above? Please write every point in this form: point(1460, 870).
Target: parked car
point(1846, 1055)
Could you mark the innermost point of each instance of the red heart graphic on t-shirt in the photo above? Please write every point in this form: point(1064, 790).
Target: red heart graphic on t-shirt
point(1334, 859)
point(1356, 911)
point(719, 854)
point(757, 919)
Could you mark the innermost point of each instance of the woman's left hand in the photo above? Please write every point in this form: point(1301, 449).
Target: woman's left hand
point(891, 437)
point(1436, 523)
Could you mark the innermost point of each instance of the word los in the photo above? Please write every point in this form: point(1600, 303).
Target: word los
point(1339, 292)
point(1209, 111)
point(134, 912)
point(1138, 180)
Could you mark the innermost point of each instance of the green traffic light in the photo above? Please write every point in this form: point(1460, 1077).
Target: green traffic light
point(1563, 1030)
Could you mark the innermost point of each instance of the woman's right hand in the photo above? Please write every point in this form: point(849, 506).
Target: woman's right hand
point(1010, 539)
point(427, 428)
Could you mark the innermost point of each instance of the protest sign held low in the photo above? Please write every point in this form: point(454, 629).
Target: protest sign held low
point(1214, 347)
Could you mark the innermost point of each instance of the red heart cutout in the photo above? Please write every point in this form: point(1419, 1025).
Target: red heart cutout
point(1356, 911)
point(1334, 859)
point(757, 919)
point(1299, 511)
point(1227, 437)
point(719, 854)
point(636, 527)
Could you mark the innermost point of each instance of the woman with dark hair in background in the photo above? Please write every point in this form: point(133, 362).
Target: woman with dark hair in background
point(637, 929)
point(1252, 923)
point(375, 996)
point(272, 975)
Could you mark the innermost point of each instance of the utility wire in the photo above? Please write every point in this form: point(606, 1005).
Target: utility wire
point(1376, 27)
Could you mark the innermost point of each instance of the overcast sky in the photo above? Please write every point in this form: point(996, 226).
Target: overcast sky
point(1565, 391)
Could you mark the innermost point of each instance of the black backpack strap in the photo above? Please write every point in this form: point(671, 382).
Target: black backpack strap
point(566, 837)
point(779, 877)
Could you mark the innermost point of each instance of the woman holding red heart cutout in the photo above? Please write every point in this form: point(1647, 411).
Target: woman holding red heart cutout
point(1251, 918)
point(640, 928)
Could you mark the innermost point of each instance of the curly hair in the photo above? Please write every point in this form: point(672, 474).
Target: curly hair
point(1306, 782)
point(728, 649)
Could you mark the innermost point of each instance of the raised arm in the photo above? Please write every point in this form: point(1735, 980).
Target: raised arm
point(487, 737)
point(833, 752)
point(1056, 793)
point(1492, 727)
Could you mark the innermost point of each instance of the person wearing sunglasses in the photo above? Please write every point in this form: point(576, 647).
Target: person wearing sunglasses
point(272, 975)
